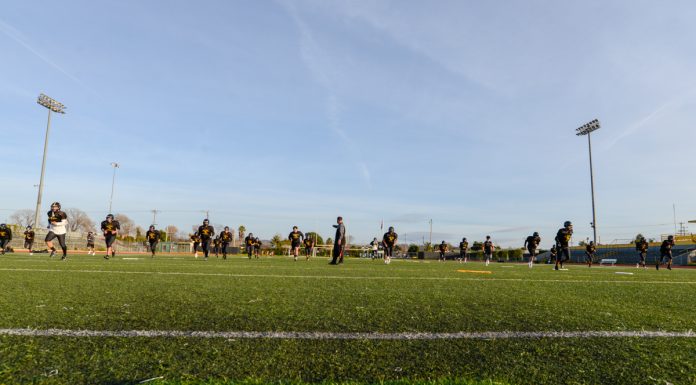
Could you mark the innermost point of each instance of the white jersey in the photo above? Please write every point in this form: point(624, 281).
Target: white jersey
point(59, 228)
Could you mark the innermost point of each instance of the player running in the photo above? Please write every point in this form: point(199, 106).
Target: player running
point(57, 222)
point(463, 250)
point(249, 242)
point(642, 248)
point(563, 244)
point(206, 232)
point(153, 237)
point(295, 238)
point(257, 247)
point(389, 241)
point(590, 250)
point(488, 249)
point(553, 254)
point(531, 244)
point(216, 246)
point(90, 243)
point(225, 239)
point(5, 237)
point(196, 240)
point(443, 250)
point(110, 228)
point(666, 253)
point(29, 236)
point(308, 247)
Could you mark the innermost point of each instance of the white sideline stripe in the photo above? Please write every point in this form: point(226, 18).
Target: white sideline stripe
point(344, 336)
point(343, 277)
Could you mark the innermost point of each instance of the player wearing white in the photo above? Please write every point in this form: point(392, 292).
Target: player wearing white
point(57, 223)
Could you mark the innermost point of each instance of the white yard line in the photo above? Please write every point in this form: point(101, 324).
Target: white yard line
point(344, 336)
point(230, 275)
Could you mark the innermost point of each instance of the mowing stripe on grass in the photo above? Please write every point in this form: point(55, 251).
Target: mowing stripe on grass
point(344, 336)
point(342, 277)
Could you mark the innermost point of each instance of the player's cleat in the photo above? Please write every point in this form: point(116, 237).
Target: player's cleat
point(295, 258)
point(53, 253)
point(30, 253)
point(64, 258)
point(669, 267)
point(106, 257)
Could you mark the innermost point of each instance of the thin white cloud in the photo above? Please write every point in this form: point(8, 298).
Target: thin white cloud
point(18, 37)
point(317, 62)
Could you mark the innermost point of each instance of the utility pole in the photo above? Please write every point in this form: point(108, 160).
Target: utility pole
point(587, 129)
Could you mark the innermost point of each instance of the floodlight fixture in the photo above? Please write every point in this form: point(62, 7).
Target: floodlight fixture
point(51, 104)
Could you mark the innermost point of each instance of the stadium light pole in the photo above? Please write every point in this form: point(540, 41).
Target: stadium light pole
point(113, 181)
point(53, 106)
point(587, 129)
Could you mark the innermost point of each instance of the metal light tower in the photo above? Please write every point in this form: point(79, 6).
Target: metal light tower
point(53, 106)
point(586, 129)
point(113, 181)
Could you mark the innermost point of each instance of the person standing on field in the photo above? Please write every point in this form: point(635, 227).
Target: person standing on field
point(110, 228)
point(642, 247)
point(463, 250)
point(531, 243)
point(29, 236)
point(225, 239)
point(295, 238)
point(339, 242)
point(153, 237)
point(5, 237)
point(488, 249)
point(57, 223)
point(389, 241)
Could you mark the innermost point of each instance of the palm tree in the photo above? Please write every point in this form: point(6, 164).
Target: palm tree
point(242, 230)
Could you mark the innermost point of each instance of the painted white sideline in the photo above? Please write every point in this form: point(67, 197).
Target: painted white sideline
point(348, 277)
point(345, 336)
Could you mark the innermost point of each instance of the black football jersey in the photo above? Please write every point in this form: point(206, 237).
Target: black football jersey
point(389, 239)
point(110, 227)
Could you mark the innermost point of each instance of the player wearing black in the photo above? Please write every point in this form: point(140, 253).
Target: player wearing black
point(295, 238)
point(90, 243)
point(339, 242)
point(308, 247)
point(57, 222)
point(5, 237)
point(389, 241)
point(590, 250)
point(642, 248)
point(443, 250)
point(206, 232)
point(463, 250)
point(249, 242)
point(666, 253)
point(29, 236)
point(531, 244)
point(488, 249)
point(110, 228)
point(216, 245)
point(563, 244)
point(225, 239)
point(196, 239)
point(153, 237)
point(553, 254)
point(257, 247)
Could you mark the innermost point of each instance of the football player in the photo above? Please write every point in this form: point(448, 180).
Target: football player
point(563, 244)
point(225, 239)
point(388, 242)
point(110, 228)
point(29, 236)
point(257, 247)
point(531, 243)
point(206, 232)
point(443, 250)
point(153, 237)
point(308, 247)
point(463, 250)
point(5, 237)
point(195, 239)
point(57, 222)
point(666, 253)
point(642, 247)
point(90, 243)
point(295, 238)
point(488, 249)
point(590, 250)
point(249, 244)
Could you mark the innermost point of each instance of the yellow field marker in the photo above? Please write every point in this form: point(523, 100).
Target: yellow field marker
point(475, 271)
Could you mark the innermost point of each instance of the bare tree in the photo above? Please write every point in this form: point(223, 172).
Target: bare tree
point(79, 221)
point(23, 218)
point(127, 224)
point(171, 231)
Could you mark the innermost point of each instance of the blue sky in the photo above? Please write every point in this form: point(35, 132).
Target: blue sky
point(276, 113)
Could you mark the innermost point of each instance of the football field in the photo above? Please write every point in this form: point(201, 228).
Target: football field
point(172, 320)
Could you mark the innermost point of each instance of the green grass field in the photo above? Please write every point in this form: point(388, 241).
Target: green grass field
point(363, 296)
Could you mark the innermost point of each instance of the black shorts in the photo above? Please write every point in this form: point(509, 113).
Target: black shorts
point(642, 256)
point(90, 245)
point(589, 257)
point(109, 239)
point(3, 243)
point(462, 253)
point(532, 252)
point(296, 245)
point(51, 236)
point(664, 255)
point(28, 244)
point(388, 251)
point(489, 255)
